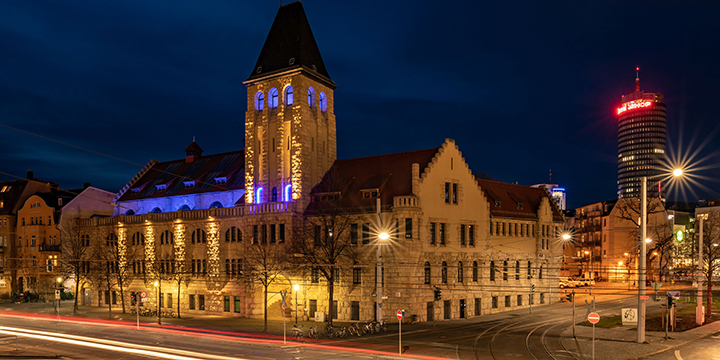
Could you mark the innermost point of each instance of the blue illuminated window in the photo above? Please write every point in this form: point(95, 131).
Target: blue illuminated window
point(273, 98)
point(322, 101)
point(258, 196)
point(156, 210)
point(259, 101)
point(216, 205)
point(184, 208)
point(274, 194)
point(311, 96)
point(287, 192)
point(289, 95)
point(129, 212)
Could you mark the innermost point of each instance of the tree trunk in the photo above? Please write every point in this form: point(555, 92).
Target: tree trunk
point(709, 297)
point(266, 307)
point(331, 289)
point(77, 289)
point(122, 296)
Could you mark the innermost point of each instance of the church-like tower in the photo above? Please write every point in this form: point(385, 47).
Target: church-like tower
point(290, 136)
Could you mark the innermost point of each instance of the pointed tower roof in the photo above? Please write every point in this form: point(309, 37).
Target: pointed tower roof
point(290, 44)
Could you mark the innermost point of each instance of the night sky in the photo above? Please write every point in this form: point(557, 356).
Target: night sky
point(522, 87)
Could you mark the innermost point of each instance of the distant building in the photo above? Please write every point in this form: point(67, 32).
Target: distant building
point(557, 193)
point(641, 142)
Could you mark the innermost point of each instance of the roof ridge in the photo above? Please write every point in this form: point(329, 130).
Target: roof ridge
point(391, 154)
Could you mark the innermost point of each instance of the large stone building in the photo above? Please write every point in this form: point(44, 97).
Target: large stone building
point(459, 246)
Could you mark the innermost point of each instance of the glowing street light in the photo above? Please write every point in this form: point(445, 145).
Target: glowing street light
point(677, 172)
point(296, 287)
point(566, 236)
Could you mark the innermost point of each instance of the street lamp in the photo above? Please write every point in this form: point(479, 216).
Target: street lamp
point(378, 276)
point(699, 318)
point(59, 285)
point(296, 287)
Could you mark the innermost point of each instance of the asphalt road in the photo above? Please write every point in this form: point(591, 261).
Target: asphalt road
point(706, 349)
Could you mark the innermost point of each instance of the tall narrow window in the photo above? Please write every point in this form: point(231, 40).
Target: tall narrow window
point(366, 233)
point(354, 234)
point(460, 272)
point(433, 232)
point(505, 270)
point(517, 270)
point(462, 234)
point(273, 98)
point(259, 101)
point(471, 235)
point(427, 272)
point(311, 97)
point(443, 274)
point(442, 233)
point(408, 228)
point(529, 273)
point(289, 95)
point(475, 271)
point(322, 101)
point(454, 193)
point(274, 194)
point(447, 192)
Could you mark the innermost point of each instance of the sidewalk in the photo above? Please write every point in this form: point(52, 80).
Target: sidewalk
point(621, 342)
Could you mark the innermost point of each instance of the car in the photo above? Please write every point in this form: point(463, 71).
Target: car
point(584, 282)
point(566, 283)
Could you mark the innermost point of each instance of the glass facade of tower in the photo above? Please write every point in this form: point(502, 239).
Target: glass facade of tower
point(641, 143)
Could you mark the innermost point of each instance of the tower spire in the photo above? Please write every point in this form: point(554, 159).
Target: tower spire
point(637, 79)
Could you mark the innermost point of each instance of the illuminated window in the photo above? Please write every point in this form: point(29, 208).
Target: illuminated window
point(216, 205)
point(289, 95)
point(259, 101)
point(288, 188)
point(258, 196)
point(129, 212)
point(273, 98)
point(311, 97)
point(322, 101)
point(156, 210)
point(274, 194)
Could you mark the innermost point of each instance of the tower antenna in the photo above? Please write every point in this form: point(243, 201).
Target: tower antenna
point(637, 79)
point(550, 177)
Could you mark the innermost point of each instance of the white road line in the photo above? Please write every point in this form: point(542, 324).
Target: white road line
point(677, 355)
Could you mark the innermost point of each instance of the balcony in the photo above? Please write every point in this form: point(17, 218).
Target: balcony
point(406, 201)
point(203, 214)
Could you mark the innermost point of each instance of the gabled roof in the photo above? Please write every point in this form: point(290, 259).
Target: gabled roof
point(209, 173)
point(389, 174)
point(290, 44)
point(11, 198)
point(516, 201)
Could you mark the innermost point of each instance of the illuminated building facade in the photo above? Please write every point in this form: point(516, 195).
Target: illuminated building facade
point(641, 142)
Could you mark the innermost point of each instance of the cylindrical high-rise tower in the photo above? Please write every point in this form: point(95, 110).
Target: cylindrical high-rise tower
point(642, 122)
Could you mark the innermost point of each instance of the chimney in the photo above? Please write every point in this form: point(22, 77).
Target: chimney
point(86, 185)
point(30, 175)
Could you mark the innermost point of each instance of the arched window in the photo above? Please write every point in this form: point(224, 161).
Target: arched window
point(258, 196)
point(198, 236)
point(156, 210)
point(259, 101)
point(475, 271)
point(184, 208)
point(427, 272)
point(111, 240)
point(216, 205)
point(322, 101)
point(443, 274)
point(289, 95)
point(540, 272)
point(288, 189)
point(492, 271)
point(460, 272)
point(233, 234)
point(311, 96)
point(274, 194)
point(138, 238)
point(166, 237)
point(273, 98)
point(129, 212)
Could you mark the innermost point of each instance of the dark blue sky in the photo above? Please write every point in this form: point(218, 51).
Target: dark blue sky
point(522, 87)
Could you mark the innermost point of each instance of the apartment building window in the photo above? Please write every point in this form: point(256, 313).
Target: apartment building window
point(427, 272)
point(238, 304)
point(529, 270)
point(471, 235)
point(273, 233)
point(494, 302)
point(519, 300)
point(354, 234)
point(478, 302)
point(475, 271)
point(517, 270)
point(442, 233)
point(460, 272)
point(447, 193)
point(365, 233)
point(408, 228)
point(507, 301)
point(315, 275)
point(264, 233)
point(454, 193)
point(317, 232)
point(433, 233)
point(462, 234)
point(191, 302)
point(226, 303)
point(201, 302)
point(492, 271)
point(357, 276)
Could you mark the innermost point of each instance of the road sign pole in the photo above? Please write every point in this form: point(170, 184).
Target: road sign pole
point(593, 318)
point(573, 318)
point(400, 314)
point(137, 311)
point(593, 351)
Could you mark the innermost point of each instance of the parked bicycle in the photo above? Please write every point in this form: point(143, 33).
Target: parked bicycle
point(297, 332)
point(368, 328)
point(329, 332)
point(354, 329)
point(312, 332)
point(342, 332)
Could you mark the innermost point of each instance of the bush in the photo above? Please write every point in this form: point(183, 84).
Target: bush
point(66, 295)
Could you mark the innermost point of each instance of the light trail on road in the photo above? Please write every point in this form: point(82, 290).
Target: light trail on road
point(165, 353)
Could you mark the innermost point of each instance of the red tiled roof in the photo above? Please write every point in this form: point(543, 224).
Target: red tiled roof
point(204, 171)
point(391, 174)
point(510, 195)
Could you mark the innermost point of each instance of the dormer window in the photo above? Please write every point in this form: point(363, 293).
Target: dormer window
point(161, 187)
point(135, 190)
point(221, 180)
point(497, 203)
point(189, 183)
point(519, 206)
point(370, 193)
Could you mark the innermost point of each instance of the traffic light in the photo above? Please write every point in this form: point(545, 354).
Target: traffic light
point(132, 298)
point(532, 288)
point(438, 293)
point(569, 297)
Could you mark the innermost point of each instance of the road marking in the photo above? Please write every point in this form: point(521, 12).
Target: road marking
point(677, 355)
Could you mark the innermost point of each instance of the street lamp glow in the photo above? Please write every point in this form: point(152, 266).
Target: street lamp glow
point(156, 283)
point(648, 240)
point(59, 279)
point(384, 236)
point(566, 236)
point(587, 252)
point(677, 172)
point(296, 287)
point(620, 263)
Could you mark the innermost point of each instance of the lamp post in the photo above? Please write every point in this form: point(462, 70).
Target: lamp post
point(59, 284)
point(699, 318)
point(382, 236)
point(157, 285)
point(296, 287)
point(641, 263)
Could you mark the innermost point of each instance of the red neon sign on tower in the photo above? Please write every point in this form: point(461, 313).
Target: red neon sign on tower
point(633, 105)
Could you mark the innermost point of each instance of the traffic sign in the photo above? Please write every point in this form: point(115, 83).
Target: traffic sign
point(144, 299)
point(675, 294)
point(644, 297)
point(57, 294)
point(400, 314)
point(593, 318)
point(143, 294)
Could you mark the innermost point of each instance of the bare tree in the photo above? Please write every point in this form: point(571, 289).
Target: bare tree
point(711, 252)
point(75, 259)
point(266, 262)
point(325, 243)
